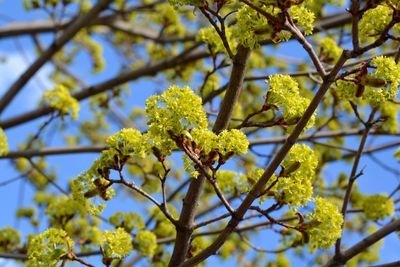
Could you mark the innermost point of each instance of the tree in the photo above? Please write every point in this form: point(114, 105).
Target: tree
point(240, 140)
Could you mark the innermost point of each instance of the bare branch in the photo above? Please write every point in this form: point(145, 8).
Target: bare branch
point(68, 34)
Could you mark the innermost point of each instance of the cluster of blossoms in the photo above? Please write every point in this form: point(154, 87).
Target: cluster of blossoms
point(295, 186)
point(284, 94)
point(117, 244)
point(94, 49)
point(53, 245)
point(146, 243)
point(328, 224)
point(61, 100)
point(377, 207)
point(378, 87)
point(47, 248)
point(9, 239)
point(253, 27)
point(3, 143)
point(127, 221)
point(329, 50)
point(213, 40)
point(375, 20)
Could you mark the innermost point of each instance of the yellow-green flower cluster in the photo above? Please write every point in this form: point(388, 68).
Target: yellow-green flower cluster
point(380, 85)
point(387, 74)
point(34, 4)
point(397, 153)
point(329, 50)
point(122, 145)
point(42, 198)
point(226, 144)
point(128, 142)
point(295, 187)
point(117, 244)
point(94, 49)
point(27, 212)
point(226, 181)
point(303, 17)
point(83, 187)
point(3, 143)
point(60, 99)
point(345, 90)
point(328, 221)
point(198, 244)
point(9, 239)
point(173, 112)
point(284, 93)
point(48, 248)
point(164, 227)
point(374, 21)
point(389, 112)
point(146, 243)
point(281, 261)
point(178, 3)
point(127, 221)
point(377, 207)
point(250, 25)
point(62, 209)
point(213, 40)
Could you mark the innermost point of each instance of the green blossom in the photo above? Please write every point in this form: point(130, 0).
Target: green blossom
point(178, 3)
point(173, 112)
point(60, 99)
point(146, 243)
point(9, 239)
point(205, 139)
point(127, 221)
point(374, 21)
point(387, 73)
point(3, 143)
point(49, 247)
point(250, 25)
point(295, 188)
point(232, 141)
point(284, 94)
point(213, 40)
point(329, 50)
point(62, 209)
point(117, 244)
point(303, 17)
point(226, 181)
point(83, 187)
point(377, 207)
point(328, 221)
point(345, 90)
point(128, 142)
point(28, 212)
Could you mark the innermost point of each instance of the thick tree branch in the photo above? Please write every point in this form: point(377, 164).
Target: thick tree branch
point(186, 219)
point(67, 35)
point(148, 70)
point(29, 153)
point(259, 186)
point(364, 244)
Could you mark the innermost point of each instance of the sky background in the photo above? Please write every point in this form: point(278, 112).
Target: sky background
point(18, 53)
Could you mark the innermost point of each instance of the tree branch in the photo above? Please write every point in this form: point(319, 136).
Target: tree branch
point(67, 35)
point(365, 243)
point(151, 69)
point(186, 219)
point(259, 186)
